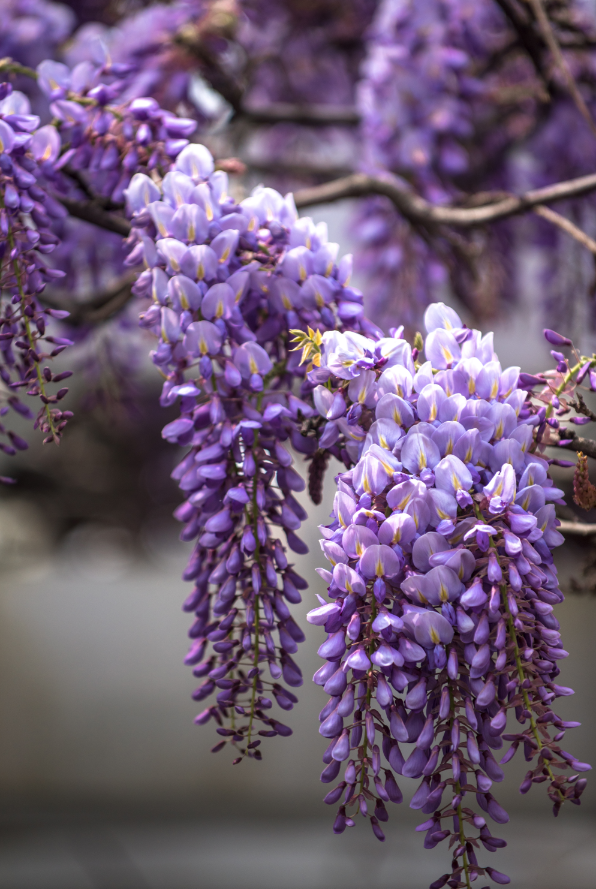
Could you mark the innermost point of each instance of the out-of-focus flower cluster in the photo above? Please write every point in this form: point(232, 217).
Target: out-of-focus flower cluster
point(94, 145)
point(227, 282)
point(109, 141)
point(560, 400)
point(440, 614)
point(26, 212)
point(32, 30)
point(141, 49)
point(450, 104)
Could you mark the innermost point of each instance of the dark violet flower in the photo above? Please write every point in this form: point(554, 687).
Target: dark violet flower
point(556, 339)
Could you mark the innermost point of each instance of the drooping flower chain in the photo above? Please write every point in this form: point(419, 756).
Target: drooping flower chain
point(26, 212)
point(37, 164)
point(442, 587)
point(228, 281)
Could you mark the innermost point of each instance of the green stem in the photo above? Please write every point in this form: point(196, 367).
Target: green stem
point(566, 380)
point(462, 839)
point(369, 651)
point(30, 340)
point(521, 677)
point(513, 634)
point(256, 599)
point(462, 835)
point(12, 67)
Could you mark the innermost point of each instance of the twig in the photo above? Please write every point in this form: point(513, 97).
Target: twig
point(91, 212)
point(101, 307)
point(586, 445)
point(310, 115)
point(409, 204)
point(192, 38)
point(567, 226)
point(582, 408)
point(78, 178)
point(551, 41)
point(527, 39)
point(577, 529)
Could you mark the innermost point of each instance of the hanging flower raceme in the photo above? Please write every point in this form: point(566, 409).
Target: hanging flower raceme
point(227, 283)
point(109, 140)
point(441, 587)
point(437, 111)
point(95, 144)
point(27, 152)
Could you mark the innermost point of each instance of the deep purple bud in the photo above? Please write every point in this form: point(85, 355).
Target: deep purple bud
point(334, 795)
point(497, 876)
point(452, 665)
point(415, 764)
point(556, 339)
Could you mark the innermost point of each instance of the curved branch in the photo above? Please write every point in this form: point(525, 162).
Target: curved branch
point(551, 41)
point(408, 203)
point(417, 209)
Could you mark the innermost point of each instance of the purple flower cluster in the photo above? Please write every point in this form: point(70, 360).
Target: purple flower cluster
point(110, 142)
point(558, 391)
point(440, 614)
point(26, 213)
point(142, 52)
point(93, 147)
point(228, 282)
point(446, 100)
point(32, 30)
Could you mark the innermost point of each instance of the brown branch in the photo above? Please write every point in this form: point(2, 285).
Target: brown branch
point(413, 207)
point(586, 445)
point(88, 211)
point(417, 209)
point(309, 115)
point(527, 38)
point(567, 226)
point(102, 307)
point(551, 41)
point(582, 408)
point(195, 39)
point(578, 529)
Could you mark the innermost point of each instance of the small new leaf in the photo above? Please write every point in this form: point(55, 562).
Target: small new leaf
point(310, 343)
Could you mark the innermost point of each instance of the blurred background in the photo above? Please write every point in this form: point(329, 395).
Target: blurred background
point(105, 782)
